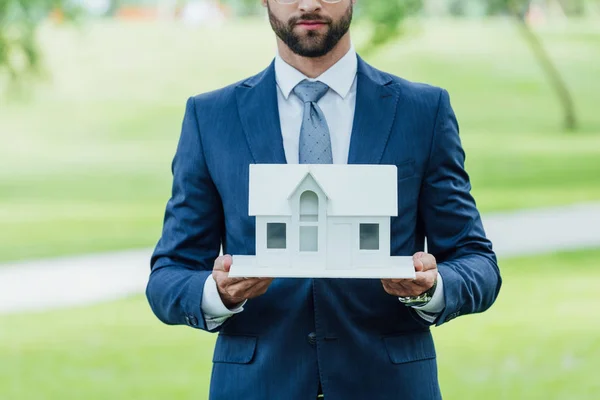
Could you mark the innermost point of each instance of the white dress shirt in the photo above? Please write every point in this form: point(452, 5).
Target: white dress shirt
point(338, 105)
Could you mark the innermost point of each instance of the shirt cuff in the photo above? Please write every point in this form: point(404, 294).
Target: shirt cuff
point(436, 305)
point(215, 312)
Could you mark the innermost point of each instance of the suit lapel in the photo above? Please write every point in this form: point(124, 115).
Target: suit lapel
point(259, 114)
point(376, 103)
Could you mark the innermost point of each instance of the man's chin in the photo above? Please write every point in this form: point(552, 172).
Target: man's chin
point(311, 45)
point(307, 35)
point(311, 52)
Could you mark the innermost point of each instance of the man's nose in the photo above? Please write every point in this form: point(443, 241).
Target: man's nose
point(308, 6)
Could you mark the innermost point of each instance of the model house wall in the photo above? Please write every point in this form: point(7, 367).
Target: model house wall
point(309, 236)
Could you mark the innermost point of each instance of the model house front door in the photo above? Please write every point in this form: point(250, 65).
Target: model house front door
point(339, 246)
point(309, 223)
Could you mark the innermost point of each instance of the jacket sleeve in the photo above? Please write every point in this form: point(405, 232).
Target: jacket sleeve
point(453, 227)
point(191, 236)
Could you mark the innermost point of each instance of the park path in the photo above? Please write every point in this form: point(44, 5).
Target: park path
point(83, 280)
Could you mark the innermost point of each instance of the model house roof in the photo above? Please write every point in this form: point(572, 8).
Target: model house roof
point(352, 190)
point(308, 175)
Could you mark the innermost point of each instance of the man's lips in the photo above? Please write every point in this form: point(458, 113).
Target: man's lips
point(311, 24)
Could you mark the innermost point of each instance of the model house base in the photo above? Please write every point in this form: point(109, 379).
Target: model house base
point(398, 268)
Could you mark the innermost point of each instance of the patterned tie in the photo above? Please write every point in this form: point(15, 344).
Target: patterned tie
point(315, 142)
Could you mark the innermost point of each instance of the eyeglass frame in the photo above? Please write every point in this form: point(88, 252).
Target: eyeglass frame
point(290, 2)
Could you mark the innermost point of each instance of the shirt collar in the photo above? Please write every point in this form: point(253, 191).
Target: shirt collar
point(338, 77)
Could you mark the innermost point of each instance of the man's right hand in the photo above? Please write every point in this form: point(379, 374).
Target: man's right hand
point(234, 291)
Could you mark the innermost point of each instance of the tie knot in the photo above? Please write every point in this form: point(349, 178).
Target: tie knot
point(310, 92)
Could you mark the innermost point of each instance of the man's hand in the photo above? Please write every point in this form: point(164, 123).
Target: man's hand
point(234, 291)
point(426, 271)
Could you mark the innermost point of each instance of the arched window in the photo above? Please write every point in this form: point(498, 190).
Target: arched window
point(309, 207)
point(309, 221)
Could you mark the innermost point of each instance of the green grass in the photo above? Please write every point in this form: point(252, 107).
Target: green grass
point(539, 341)
point(86, 161)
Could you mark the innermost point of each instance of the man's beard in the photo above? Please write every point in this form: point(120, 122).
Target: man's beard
point(313, 44)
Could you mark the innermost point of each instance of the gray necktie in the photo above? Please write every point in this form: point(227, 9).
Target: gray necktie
point(315, 142)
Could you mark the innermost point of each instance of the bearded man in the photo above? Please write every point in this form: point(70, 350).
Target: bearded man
point(341, 339)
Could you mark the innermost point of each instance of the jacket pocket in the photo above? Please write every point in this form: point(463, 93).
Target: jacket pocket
point(234, 349)
point(409, 347)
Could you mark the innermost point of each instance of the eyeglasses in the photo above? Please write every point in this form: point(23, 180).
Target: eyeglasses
point(295, 1)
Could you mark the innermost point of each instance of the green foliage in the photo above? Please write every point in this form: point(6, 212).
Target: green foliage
point(386, 17)
point(19, 21)
point(505, 6)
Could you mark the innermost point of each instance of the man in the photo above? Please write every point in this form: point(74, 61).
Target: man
point(305, 338)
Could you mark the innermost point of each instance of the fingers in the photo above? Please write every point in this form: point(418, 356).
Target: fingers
point(245, 285)
point(402, 289)
point(409, 287)
point(236, 290)
point(388, 286)
point(260, 288)
point(421, 279)
point(247, 288)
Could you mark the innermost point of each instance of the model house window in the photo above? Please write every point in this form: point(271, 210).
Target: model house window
point(309, 221)
point(276, 236)
point(309, 207)
point(369, 236)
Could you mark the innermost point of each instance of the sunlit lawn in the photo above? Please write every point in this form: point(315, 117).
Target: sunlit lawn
point(541, 340)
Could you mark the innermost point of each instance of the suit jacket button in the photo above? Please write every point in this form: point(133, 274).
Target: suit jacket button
point(312, 338)
point(193, 321)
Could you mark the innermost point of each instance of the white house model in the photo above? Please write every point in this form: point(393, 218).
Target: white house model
point(322, 221)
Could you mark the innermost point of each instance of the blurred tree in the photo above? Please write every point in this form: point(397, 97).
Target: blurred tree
point(244, 7)
point(113, 7)
point(518, 9)
point(387, 17)
point(19, 21)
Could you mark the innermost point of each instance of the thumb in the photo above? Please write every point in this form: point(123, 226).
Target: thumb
point(223, 263)
point(429, 262)
point(417, 262)
point(227, 260)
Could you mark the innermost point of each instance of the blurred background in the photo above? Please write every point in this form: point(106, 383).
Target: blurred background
point(92, 95)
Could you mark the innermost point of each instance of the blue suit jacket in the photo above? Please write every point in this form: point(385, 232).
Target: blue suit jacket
point(359, 341)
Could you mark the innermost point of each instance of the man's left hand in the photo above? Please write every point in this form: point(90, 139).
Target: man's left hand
point(426, 275)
